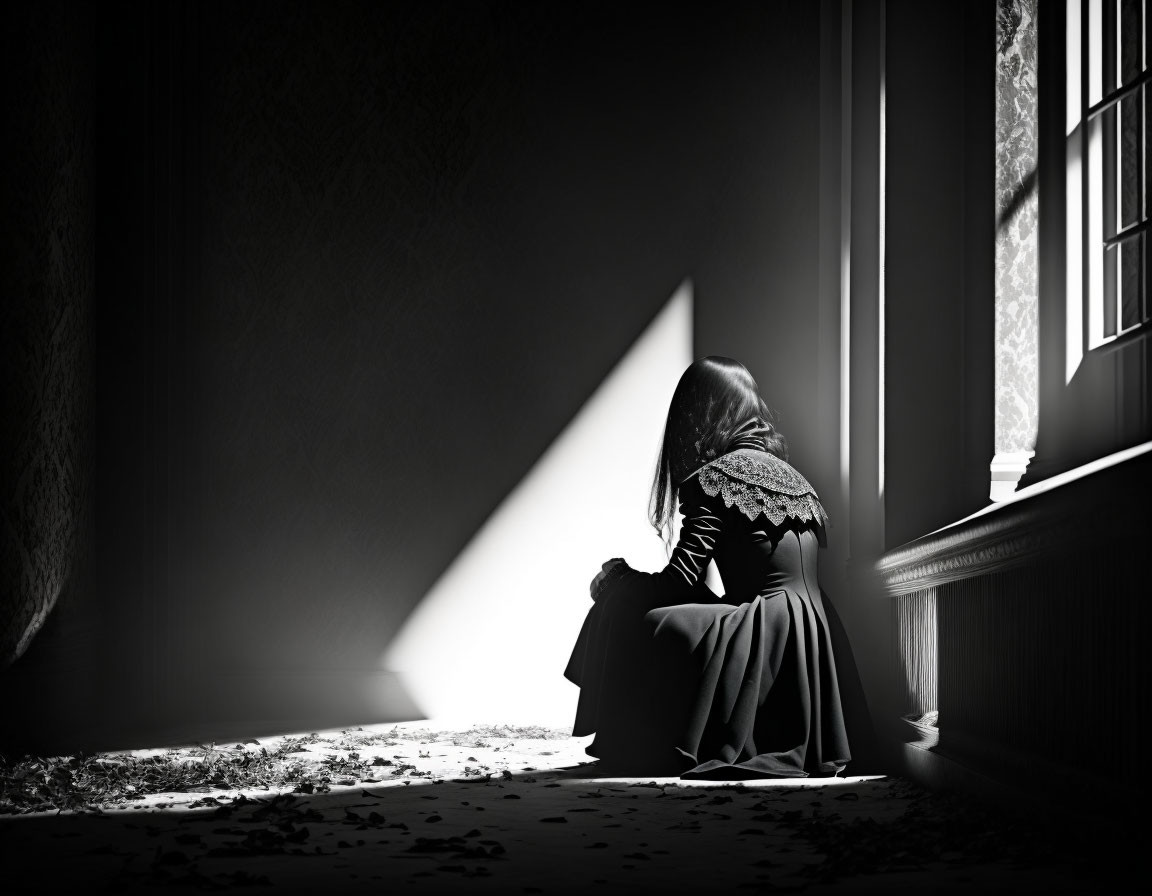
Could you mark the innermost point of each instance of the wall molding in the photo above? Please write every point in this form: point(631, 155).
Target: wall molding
point(1040, 519)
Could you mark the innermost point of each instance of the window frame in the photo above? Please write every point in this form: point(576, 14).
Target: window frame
point(1093, 102)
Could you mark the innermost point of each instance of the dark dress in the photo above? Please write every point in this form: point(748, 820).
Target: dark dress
point(677, 681)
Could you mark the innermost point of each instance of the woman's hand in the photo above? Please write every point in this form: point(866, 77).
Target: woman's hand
point(605, 570)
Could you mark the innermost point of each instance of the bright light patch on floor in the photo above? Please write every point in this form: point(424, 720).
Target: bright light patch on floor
point(492, 637)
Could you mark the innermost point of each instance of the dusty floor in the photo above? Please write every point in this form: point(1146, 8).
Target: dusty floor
point(497, 809)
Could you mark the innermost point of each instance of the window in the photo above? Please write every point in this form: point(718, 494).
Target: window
point(1109, 113)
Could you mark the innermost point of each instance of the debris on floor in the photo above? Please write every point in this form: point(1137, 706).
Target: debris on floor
point(496, 808)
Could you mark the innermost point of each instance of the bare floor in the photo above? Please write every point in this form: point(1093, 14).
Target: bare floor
point(497, 809)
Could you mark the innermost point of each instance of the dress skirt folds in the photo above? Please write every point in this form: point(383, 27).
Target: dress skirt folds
point(674, 680)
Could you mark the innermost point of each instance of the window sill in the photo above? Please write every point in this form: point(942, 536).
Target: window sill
point(1129, 337)
point(1060, 512)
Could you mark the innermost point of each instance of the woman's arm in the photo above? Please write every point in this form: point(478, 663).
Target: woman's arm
point(683, 579)
point(698, 533)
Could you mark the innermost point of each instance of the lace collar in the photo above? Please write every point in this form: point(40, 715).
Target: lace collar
point(761, 483)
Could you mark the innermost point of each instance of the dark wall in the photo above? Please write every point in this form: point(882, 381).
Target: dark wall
point(755, 262)
point(939, 267)
point(46, 344)
point(359, 264)
point(427, 234)
point(134, 277)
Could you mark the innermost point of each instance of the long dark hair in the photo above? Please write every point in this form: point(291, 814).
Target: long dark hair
point(716, 407)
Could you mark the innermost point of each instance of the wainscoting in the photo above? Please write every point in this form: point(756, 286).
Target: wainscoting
point(1021, 636)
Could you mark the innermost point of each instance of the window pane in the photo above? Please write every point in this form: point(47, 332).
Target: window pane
point(1144, 279)
point(1128, 145)
point(1110, 47)
point(1147, 154)
point(1147, 36)
point(1095, 43)
point(1130, 281)
point(1093, 235)
point(1109, 207)
point(1109, 292)
point(1130, 39)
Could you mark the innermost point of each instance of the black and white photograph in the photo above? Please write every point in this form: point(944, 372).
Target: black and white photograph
point(507, 447)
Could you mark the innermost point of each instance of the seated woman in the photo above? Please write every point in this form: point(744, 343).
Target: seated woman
point(675, 680)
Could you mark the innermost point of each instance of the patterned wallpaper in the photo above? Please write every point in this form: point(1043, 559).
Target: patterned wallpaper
point(46, 285)
point(1016, 228)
